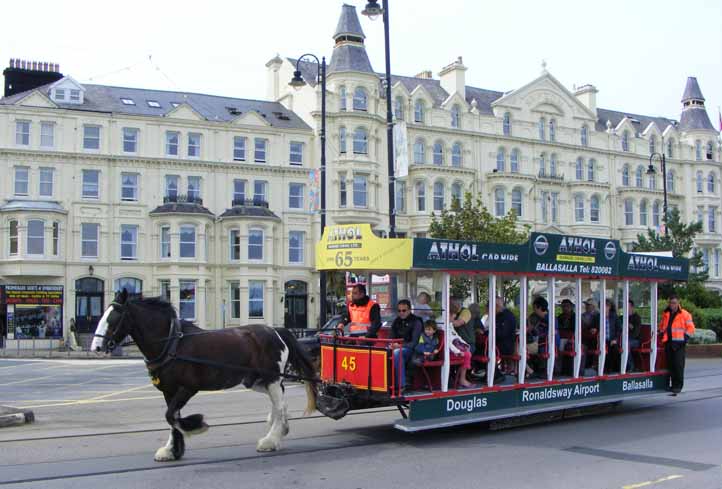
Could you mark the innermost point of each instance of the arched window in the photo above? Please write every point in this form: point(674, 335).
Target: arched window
point(670, 148)
point(419, 152)
point(342, 97)
point(652, 144)
point(710, 150)
point(514, 160)
point(500, 159)
point(542, 165)
point(438, 153)
point(655, 214)
point(360, 99)
point(456, 116)
point(652, 181)
point(698, 150)
point(552, 130)
point(420, 196)
point(585, 135)
point(700, 186)
point(625, 175)
point(516, 204)
point(499, 202)
point(594, 208)
point(341, 139)
point(579, 168)
point(643, 213)
point(553, 165)
point(591, 169)
point(638, 177)
point(670, 181)
point(439, 196)
point(579, 208)
point(542, 128)
point(456, 155)
point(360, 141)
point(506, 124)
point(399, 108)
point(456, 194)
point(625, 141)
point(419, 111)
point(711, 182)
point(628, 212)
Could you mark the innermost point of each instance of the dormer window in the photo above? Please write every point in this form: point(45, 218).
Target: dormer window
point(153, 103)
point(127, 101)
point(75, 96)
point(60, 94)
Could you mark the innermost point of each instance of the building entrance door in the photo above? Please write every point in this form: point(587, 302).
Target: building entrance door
point(88, 304)
point(296, 312)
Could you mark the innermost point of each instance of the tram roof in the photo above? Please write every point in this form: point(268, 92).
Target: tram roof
point(356, 247)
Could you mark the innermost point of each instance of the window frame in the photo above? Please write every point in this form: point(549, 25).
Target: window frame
point(22, 137)
point(299, 199)
point(189, 245)
point(457, 151)
point(234, 245)
point(193, 149)
point(438, 153)
point(44, 136)
point(165, 240)
point(499, 202)
point(172, 144)
point(37, 238)
point(44, 170)
point(134, 229)
point(295, 157)
point(251, 285)
point(194, 184)
point(360, 100)
point(89, 138)
point(579, 209)
point(234, 298)
point(86, 186)
point(124, 187)
point(239, 150)
point(594, 209)
point(183, 284)
point(420, 190)
point(439, 196)
point(360, 141)
point(260, 153)
point(85, 239)
point(134, 132)
point(300, 249)
point(254, 233)
point(13, 237)
point(357, 179)
point(17, 170)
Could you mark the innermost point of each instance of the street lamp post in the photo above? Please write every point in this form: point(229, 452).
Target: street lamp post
point(651, 171)
point(297, 82)
point(372, 11)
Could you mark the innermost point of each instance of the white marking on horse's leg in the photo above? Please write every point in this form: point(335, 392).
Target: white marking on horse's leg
point(165, 453)
point(272, 440)
point(100, 331)
point(284, 355)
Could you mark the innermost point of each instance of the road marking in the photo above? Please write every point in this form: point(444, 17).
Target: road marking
point(24, 381)
point(644, 459)
point(649, 483)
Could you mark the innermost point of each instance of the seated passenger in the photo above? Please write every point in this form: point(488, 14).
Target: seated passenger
point(538, 324)
point(566, 322)
point(427, 348)
point(459, 344)
point(505, 335)
point(635, 333)
point(407, 328)
point(612, 332)
point(422, 308)
point(590, 331)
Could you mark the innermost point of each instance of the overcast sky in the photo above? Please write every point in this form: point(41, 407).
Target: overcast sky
point(637, 53)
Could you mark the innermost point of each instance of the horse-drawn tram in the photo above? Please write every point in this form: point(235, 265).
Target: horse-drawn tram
point(526, 358)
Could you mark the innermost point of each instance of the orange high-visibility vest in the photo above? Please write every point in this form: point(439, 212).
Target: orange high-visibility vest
point(360, 316)
point(681, 325)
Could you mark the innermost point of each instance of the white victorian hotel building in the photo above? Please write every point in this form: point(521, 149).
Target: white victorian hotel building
point(206, 200)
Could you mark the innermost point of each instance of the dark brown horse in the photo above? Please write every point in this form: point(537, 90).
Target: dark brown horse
point(183, 359)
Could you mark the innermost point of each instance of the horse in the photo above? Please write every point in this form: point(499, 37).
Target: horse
point(183, 359)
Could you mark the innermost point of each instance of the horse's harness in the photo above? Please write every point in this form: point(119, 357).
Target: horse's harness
point(170, 348)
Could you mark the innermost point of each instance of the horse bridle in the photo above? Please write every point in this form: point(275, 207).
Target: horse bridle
point(109, 341)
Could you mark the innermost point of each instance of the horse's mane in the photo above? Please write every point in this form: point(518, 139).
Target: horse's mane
point(157, 303)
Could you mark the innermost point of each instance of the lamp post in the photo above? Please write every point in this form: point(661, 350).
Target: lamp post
point(651, 171)
point(297, 82)
point(372, 11)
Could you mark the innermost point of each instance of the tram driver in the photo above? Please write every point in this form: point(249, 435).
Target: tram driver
point(363, 313)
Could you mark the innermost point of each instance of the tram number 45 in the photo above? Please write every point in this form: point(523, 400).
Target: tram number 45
point(349, 363)
point(344, 259)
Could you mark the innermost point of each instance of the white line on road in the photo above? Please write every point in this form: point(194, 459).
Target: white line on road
point(649, 483)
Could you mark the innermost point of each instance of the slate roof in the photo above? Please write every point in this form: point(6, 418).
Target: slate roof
point(695, 118)
point(309, 70)
point(33, 205)
point(350, 57)
point(691, 90)
point(181, 208)
point(348, 23)
point(103, 98)
point(615, 116)
point(249, 211)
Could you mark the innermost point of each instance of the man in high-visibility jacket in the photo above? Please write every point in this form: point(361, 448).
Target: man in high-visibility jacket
point(676, 327)
point(363, 313)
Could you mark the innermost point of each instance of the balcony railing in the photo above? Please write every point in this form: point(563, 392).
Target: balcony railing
point(550, 176)
point(249, 203)
point(182, 199)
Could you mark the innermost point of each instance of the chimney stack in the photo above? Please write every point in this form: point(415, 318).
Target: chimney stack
point(453, 78)
point(22, 75)
point(587, 94)
point(426, 74)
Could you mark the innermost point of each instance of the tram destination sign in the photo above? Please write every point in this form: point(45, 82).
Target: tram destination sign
point(520, 399)
point(653, 267)
point(468, 255)
point(561, 254)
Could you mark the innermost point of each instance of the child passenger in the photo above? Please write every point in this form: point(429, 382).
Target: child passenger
point(428, 346)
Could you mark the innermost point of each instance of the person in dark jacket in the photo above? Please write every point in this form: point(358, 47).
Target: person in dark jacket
point(612, 332)
point(634, 340)
point(427, 348)
point(407, 328)
point(505, 334)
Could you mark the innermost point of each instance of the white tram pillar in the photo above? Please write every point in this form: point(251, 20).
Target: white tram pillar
point(491, 337)
point(578, 330)
point(447, 327)
point(653, 320)
point(602, 341)
point(625, 329)
point(551, 335)
point(523, 306)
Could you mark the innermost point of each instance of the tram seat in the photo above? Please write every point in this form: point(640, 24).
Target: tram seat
point(428, 367)
point(643, 352)
point(482, 347)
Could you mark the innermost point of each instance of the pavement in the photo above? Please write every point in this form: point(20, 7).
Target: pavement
point(98, 423)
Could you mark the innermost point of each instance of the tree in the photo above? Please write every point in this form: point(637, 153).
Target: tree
point(472, 221)
point(680, 241)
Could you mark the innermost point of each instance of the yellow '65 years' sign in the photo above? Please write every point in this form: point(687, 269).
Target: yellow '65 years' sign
point(356, 247)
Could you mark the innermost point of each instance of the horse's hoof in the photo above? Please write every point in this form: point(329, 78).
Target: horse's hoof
point(266, 444)
point(164, 454)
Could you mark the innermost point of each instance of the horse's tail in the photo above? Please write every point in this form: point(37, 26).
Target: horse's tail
point(304, 366)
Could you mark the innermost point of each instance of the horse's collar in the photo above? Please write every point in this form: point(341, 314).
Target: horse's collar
point(170, 347)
